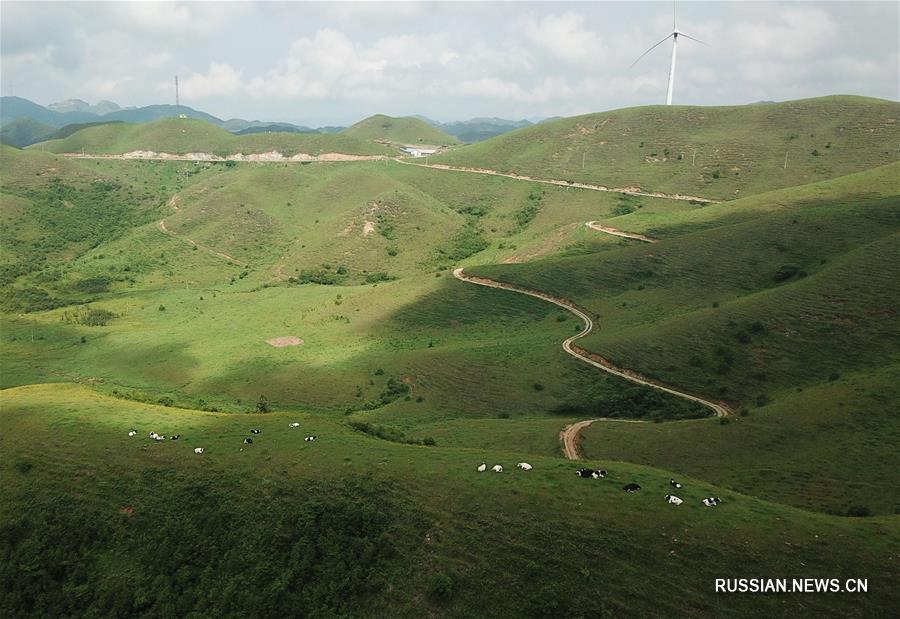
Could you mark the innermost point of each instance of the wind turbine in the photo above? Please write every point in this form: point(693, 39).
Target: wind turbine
point(674, 36)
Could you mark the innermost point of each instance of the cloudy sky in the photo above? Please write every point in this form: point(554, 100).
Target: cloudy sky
point(334, 63)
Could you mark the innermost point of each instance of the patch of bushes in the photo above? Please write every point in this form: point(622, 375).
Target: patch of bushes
point(389, 433)
point(636, 402)
point(88, 316)
point(788, 272)
point(378, 276)
point(92, 285)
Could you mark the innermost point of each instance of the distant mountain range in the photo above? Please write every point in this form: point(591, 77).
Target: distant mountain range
point(24, 122)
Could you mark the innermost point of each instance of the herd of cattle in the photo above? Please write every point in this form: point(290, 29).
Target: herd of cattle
point(601, 473)
point(497, 468)
point(199, 450)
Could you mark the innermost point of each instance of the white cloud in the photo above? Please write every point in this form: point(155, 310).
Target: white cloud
point(220, 79)
point(790, 32)
point(564, 36)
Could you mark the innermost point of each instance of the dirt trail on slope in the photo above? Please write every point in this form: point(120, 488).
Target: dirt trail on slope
point(593, 225)
point(570, 433)
point(631, 191)
point(270, 157)
point(161, 224)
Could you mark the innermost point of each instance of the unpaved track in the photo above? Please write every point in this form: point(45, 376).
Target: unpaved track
point(631, 191)
point(593, 225)
point(161, 224)
point(570, 434)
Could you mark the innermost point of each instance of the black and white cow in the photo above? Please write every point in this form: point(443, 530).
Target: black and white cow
point(585, 473)
point(310, 438)
point(255, 431)
point(711, 501)
point(674, 484)
point(248, 441)
point(632, 487)
point(674, 500)
point(174, 437)
point(599, 474)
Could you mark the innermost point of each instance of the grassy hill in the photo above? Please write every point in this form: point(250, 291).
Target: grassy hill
point(24, 131)
point(794, 299)
point(353, 525)
point(406, 130)
point(184, 135)
point(715, 152)
point(143, 294)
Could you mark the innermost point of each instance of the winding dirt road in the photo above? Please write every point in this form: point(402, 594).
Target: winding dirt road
point(570, 433)
point(594, 225)
point(631, 191)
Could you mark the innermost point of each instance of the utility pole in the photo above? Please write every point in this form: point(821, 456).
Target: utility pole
point(177, 102)
point(693, 157)
point(582, 159)
point(785, 160)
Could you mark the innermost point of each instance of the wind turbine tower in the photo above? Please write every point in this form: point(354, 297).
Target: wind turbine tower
point(674, 36)
point(176, 92)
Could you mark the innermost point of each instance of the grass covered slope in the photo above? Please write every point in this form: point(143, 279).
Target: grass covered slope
point(352, 525)
point(714, 152)
point(795, 298)
point(186, 135)
point(405, 130)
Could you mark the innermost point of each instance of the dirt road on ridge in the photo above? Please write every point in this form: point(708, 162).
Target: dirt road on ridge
point(570, 433)
point(595, 225)
point(631, 191)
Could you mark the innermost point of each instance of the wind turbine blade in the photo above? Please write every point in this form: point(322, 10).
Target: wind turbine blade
point(651, 49)
point(687, 36)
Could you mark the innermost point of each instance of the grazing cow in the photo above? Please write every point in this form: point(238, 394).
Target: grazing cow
point(599, 474)
point(160, 437)
point(255, 431)
point(585, 473)
point(153, 435)
point(674, 484)
point(497, 468)
point(524, 466)
point(248, 441)
point(482, 467)
point(198, 450)
point(674, 500)
point(311, 438)
point(132, 433)
point(711, 501)
point(294, 425)
point(632, 487)
point(175, 437)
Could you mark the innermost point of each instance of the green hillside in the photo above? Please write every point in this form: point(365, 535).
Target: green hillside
point(715, 152)
point(185, 135)
point(354, 525)
point(406, 130)
point(205, 299)
point(24, 131)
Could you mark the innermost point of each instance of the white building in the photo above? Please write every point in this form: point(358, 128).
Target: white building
point(415, 151)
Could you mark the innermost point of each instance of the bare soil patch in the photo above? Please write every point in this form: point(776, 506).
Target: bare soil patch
point(287, 340)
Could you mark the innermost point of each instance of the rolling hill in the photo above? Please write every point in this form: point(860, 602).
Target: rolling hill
point(407, 130)
point(715, 152)
point(158, 296)
point(184, 135)
point(24, 131)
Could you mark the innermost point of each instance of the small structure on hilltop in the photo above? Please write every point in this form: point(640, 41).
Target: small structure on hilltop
point(416, 151)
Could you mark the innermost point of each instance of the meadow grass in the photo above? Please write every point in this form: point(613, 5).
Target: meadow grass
point(713, 152)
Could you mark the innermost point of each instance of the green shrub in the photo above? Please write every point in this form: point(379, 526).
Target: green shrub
point(440, 587)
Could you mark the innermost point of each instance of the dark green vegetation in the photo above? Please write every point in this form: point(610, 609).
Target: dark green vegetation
point(24, 131)
point(714, 152)
point(143, 294)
